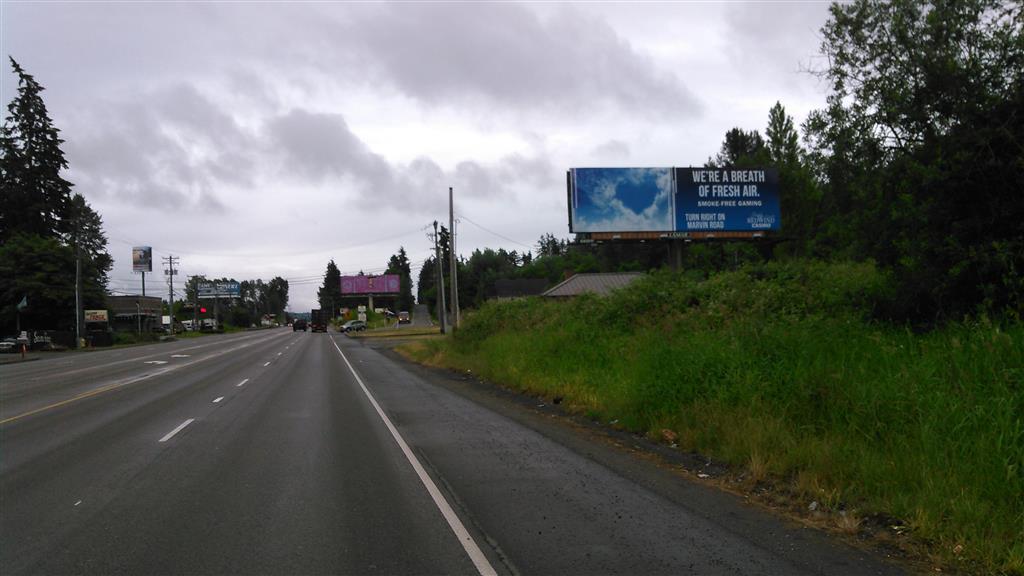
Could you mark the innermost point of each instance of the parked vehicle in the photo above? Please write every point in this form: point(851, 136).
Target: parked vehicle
point(318, 321)
point(353, 326)
point(299, 324)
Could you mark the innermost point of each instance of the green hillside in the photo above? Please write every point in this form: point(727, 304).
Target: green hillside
point(780, 368)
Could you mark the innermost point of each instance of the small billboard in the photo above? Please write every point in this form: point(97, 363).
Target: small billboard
point(230, 289)
point(96, 316)
point(384, 284)
point(142, 259)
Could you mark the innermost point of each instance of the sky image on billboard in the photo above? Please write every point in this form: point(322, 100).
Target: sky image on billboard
point(622, 199)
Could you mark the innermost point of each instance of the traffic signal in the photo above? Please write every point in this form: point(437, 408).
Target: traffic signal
point(202, 310)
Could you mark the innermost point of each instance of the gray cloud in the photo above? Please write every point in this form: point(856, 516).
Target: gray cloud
point(509, 54)
point(775, 38)
point(320, 146)
point(612, 150)
point(172, 152)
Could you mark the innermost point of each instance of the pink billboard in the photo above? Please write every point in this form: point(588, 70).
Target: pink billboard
point(386, 284)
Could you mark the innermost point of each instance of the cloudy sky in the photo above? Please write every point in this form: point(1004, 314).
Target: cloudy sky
point(262, 139)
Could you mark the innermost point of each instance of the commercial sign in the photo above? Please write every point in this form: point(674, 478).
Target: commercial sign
point(385, 284)
point(727, 200)
point(142, 258)
point(229, 289)
point(673, 200)
point(96, 316)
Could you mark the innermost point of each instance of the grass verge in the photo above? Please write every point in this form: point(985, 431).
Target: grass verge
point(777, 368)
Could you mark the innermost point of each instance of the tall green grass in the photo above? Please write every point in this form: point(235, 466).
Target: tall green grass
point(779, 367)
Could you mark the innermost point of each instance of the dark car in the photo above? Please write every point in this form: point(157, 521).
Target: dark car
point(299, 324)
point(353, 326)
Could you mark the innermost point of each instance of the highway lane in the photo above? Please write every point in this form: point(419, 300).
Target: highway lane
point(277, 457)
point(258, 481)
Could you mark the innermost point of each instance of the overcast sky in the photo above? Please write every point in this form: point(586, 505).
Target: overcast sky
point(262, 139)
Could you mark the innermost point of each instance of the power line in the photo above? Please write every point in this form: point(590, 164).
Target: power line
point(503, 237)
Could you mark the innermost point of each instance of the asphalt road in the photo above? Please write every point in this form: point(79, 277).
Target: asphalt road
point(278, 452)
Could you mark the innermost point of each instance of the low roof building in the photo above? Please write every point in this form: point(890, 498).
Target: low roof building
point(598, 283)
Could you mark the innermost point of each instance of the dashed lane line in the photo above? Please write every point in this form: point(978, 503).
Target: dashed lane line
point(178, 429)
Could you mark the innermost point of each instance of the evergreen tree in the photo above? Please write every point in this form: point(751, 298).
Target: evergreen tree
point(329, 295)
point(399, 264)
point(35, 197)
point(43, 228)
point(740, 148)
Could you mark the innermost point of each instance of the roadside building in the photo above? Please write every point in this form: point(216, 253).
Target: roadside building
point(598, 283)
point(132, 313)
point(507, 289)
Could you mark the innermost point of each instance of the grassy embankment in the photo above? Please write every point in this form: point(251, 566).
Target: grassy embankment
point(777, 369)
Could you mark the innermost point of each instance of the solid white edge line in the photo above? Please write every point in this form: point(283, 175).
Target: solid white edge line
point(176, 430)
point(468, 544)
point(242, 383)
point(218, 399)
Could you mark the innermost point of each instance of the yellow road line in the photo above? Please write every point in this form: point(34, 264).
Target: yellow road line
point(68, 401)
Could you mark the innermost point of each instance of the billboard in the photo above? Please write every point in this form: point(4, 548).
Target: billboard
point(673, 200)
point(228, 289)
point(385, 284)
point(142, 258)
point(727, 200)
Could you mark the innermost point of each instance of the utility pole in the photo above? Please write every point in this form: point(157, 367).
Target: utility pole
point(78, 289)
point(195, 303)
point(171, 261)
point(440, 280)
point(454, 260)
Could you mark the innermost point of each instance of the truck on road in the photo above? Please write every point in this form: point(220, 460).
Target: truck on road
point(318, 321)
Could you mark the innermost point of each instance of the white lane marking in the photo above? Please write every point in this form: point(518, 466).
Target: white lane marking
point(180, 355)
point(468, 544)
point(218, 400)
point(278, 353)
point(267, 364)
point(242, 383)
point(176, 430)
point(156, 362)
point(77, 503)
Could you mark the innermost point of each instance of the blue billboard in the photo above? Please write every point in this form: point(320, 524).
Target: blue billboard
point(727, 200)
point(673, 200)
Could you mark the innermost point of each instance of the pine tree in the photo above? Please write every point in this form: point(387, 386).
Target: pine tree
point(329, 295)
point(43, 228)
point(399, 264)
point(35, 197)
